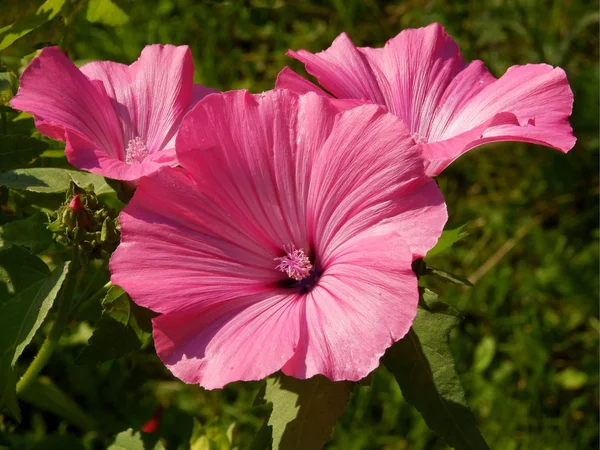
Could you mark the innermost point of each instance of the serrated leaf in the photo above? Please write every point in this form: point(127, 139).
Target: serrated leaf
point(140, 321)
point(110, 340)
point(45, 395)
point(448, 276)
point(116, 304)
point(31, 233)
point(429, 301)
point(54, 181)
point(16, 151)
point(123, 328)
point(28, 290)
point(106, 12)
point(46, 12)
point(424, 369)
point(51, 180)
point(130, 440)
point(304, 411)
point(447, 240)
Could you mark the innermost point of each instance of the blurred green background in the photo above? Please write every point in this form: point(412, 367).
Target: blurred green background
point(527, 349)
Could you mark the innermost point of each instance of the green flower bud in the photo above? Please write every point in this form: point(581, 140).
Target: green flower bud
point(84, 223)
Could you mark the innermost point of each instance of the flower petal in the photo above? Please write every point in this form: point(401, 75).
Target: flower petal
point(448, 105)
point(372, 171)
point(163, 86)
point(288, 79)
point(342, 70)
point(222, 143)
point(117, 81)
point(139, 91)
point(538, 100)
point(247, 338)
point(364, 302)
point(256, 172)
point(192, 253)
point(84, 154)
point(61, 98)
point(198, 93)
point(415, 68)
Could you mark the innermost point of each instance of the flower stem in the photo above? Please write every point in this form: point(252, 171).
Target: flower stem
point(38, 363)
point(4, 122)
point(97, 295)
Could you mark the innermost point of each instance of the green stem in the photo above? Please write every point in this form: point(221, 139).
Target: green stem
point(98, 294)
point(4, 122)
point(90, 283)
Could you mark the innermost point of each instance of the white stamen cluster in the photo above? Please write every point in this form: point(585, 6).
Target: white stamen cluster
point(295, 263)
point(136, 151)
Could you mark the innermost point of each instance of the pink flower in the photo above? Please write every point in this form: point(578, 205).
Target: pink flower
point(285, 242)
point(118, 121)
point(449, 106)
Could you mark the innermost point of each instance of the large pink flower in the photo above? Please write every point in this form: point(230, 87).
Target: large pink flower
point(449, 106)
point(118, 121)
point(284, 242)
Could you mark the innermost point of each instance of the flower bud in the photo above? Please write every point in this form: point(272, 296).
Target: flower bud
point(84, 223)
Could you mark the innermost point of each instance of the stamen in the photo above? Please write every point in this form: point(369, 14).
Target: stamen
point(295, 264)
point(136, 151)
point(418, 138)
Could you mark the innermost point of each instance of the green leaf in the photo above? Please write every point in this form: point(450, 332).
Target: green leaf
point(211, 436)
point(424, 368)
point(59, 442)
point(484, 353)
point(447, 240)
point(304, 411)
point(447, 276)
point(44, 394)
point(116, 304)
point(130, 440)
point(48, 11)
point(106, 12)
point(8, 87)
point(16, 151)
point(571, 379)
point(31, 233)
point(123, 328)
point(8, 389)
point(28, 290)
point(262, 440)
point(110, 340)
point(54, 181)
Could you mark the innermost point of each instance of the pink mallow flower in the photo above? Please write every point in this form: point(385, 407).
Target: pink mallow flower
point(285, 241)
point(449, 106)
point(118, 121)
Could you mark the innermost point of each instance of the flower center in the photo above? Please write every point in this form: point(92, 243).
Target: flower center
point(136, 151)
point(295, 263)
point(418, 138)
